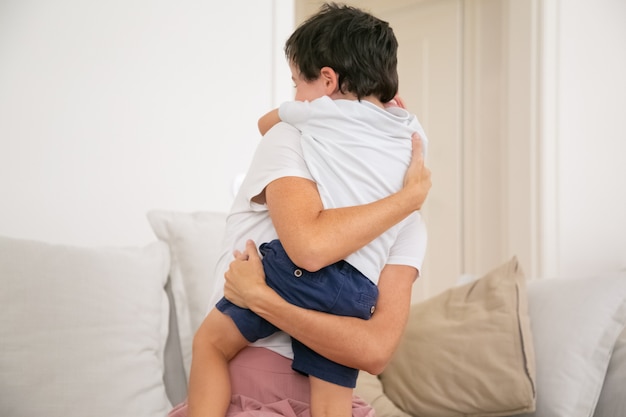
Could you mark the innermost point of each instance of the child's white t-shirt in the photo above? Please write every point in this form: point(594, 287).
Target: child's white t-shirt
point(358, 153)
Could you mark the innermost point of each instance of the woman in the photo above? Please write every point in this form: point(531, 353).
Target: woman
point(261, 379)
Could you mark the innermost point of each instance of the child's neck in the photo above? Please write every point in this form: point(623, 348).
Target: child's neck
point(338, 95)
point(374, 100)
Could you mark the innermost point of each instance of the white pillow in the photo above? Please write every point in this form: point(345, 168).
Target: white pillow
point(82, 330)
point(575, 325)
point(612, 402)
point(195, 241)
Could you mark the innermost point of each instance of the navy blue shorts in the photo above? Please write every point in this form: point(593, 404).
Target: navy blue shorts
point(338, 289)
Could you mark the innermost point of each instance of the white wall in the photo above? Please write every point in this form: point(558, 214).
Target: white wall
point(584, 137)
point(111, 108)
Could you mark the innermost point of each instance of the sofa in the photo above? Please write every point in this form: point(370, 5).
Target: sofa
point(106, 331)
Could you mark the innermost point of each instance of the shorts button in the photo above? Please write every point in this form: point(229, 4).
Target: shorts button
point(372, 309)
point(297, 273)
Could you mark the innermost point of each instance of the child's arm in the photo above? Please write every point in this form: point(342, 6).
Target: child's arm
point(268, 120)
point(396, 102)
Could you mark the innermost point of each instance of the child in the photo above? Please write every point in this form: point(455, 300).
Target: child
point(343, 63)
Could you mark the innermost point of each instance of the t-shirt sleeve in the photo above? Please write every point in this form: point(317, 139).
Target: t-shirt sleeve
point(296, 113)
point(410, 245)
point(278, 155)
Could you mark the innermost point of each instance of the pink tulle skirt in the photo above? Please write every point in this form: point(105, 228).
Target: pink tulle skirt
point(264, 385)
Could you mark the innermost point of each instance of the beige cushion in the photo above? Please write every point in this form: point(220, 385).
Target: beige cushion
point(467, 351)
point(82, 330)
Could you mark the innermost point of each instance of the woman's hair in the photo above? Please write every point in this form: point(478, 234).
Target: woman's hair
point(359, 47)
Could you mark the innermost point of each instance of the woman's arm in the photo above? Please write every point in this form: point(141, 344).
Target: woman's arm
point(357, 343)
point(314, 237)
point(299, 218)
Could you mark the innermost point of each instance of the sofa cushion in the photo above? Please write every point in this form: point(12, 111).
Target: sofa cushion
point(575, 323)
point(580, 341)
point(82, 330)
point(194, 240)
point(467, 351)
point(612, 401)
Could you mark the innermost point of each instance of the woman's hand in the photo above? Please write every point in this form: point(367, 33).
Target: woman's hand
point(416, 170)
point(417, 178)
point(244, 277)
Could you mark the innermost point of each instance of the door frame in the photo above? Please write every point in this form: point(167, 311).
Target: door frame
point(508, 185)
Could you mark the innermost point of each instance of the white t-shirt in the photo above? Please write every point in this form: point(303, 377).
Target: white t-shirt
point(279, 154)
point(358, 153)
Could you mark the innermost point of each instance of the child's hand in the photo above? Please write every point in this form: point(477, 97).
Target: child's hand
point(396, 102)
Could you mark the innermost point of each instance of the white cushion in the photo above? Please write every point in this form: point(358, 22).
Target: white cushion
point(575, 325)
point(612, 402)
point(82, 330)
point(195, 241)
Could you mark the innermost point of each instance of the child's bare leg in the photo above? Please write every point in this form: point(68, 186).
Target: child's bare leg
point(216, 342)
point(330, 400)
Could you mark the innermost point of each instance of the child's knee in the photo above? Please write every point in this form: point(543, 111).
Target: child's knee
point(218, 334)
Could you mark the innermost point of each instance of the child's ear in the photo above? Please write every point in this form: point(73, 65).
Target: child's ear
point(331, 80)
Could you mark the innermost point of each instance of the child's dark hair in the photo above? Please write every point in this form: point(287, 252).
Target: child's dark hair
point(359, 47)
